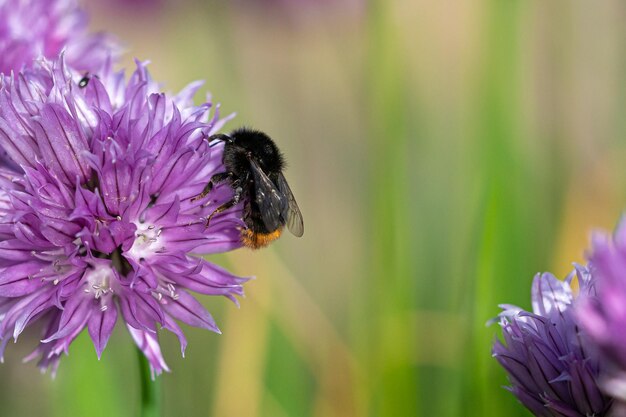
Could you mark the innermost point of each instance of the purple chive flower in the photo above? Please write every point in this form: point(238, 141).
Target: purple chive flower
point(604, 316)
point(550, 366)
point(33, 28)
point(97, 215)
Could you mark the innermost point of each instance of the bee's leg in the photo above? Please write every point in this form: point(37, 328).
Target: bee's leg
point(220, 136)
point(234, 201)
point(215, 179)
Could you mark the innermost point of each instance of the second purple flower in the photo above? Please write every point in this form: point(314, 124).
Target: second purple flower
point(604, 316)
point(551, 366)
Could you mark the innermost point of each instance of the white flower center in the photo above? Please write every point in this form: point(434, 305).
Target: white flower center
point(148, 241)
point(99, 284)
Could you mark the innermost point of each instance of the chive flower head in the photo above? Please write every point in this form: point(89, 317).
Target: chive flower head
point(98, 221)
point(551, 366)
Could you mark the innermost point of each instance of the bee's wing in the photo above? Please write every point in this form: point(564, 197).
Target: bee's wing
point(268, 198)
point(290, 210)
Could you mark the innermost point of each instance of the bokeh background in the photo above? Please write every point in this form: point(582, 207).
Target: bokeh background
point(442, 153)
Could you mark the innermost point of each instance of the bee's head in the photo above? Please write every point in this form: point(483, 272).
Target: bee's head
point(260, 147)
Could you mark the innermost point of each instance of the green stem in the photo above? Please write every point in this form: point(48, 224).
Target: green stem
point(150, 389)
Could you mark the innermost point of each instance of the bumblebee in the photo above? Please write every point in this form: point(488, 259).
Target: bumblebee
point(254, 170)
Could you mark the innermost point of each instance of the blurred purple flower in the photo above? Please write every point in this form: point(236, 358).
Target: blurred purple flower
point(33, 28)
point(96, 211)
point(549, 363)
point(132, 6)
point(303, 10)
point(604, 316)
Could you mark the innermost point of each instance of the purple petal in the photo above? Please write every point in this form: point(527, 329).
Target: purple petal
point(134, 315)
point(204, 278)
point(188, 310)
point(19, 148)
point(62, 143)
point(149, 345)
point(100, 326)
point(17, 280)
point(115, 182)
point(74, 317)
point(549, 294)
point(28, 308)
point(171, 325)
point(164, 214)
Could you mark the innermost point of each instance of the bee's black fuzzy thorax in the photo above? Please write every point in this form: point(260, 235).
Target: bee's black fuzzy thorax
point(247, 142)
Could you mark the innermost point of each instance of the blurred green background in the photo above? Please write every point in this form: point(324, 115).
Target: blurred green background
point(442, 153)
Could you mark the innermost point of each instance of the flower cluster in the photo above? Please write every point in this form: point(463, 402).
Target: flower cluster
point(551, 367)
point(97, 211)
point(33, 28)
point(604, 316)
